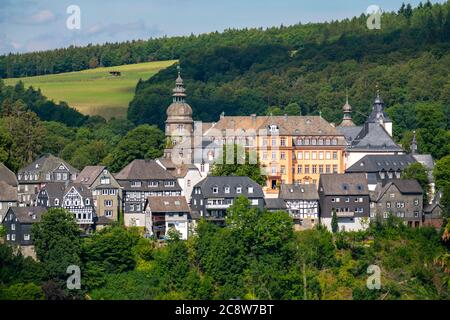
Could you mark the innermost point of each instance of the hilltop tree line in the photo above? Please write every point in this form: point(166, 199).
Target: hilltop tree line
point(257, 255)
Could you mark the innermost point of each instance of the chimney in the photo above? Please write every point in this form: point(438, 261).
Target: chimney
point(253, 118)
point(222, 115)
point(285, 117)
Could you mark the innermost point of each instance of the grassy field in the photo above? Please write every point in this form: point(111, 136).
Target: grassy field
point(95, 91)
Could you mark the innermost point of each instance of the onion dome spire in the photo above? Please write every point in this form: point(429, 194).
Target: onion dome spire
point(179, 92)
point(347, 109)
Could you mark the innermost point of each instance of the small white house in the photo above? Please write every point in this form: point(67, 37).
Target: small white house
point(165, 213)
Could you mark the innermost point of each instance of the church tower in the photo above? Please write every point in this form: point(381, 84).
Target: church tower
point(379, 116)
point(347, 120)
point(179, 126)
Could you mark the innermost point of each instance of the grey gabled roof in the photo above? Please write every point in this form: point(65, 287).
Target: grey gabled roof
point(54, 190)
point(143, 170)
point(374, 137)
point(233, 182)
point(7, 192)
point(350, 133)
point(405, 186)
point(88, 175)
point(275, 204)
point(344, 184)
point(7, 175)
point(377, 163)
point(27, 214)
point(167, 204)
point(299, 192)
point(47, 163)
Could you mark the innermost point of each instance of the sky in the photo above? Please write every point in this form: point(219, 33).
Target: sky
point(35, 25)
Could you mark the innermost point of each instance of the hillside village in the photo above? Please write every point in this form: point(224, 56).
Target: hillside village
point(318, 172)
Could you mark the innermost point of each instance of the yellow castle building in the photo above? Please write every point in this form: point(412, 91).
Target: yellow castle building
point(291, 149)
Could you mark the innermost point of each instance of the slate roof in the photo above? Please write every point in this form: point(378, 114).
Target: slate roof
point(25, 214)
point(7, 192)
point(275, 204)
point(350, 133)
point(168, 204)
point(407, 186)
point(299, 191)
point(7, 175)
point(57, 190)
point(143, 170)
point(208, 183)
point(344, 184)
point(45, 164)
point(374, 137)
point(88, 175)
point(377, 163)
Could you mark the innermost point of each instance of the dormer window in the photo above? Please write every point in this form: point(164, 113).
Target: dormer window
point(215, 189)
point(250, 189)
point(273, 128)
point(88, 202)
point(239, 189)
point(227, 189)
point(105, 180)
point(56, 202)
point(135, 184)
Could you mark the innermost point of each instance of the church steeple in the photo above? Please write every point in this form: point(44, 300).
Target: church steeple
point(347, 109)
point(179, 92)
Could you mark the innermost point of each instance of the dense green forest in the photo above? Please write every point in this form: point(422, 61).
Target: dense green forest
point(256, 256)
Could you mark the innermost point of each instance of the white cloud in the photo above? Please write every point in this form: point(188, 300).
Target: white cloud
point(42, 16)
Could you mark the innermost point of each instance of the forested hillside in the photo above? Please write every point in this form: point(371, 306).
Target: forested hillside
point(308, 68)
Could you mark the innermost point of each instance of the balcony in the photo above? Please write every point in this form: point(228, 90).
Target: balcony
point(345, 214)
point(85, 221)
point(217, 206)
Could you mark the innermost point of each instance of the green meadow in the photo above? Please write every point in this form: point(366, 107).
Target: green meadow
point(95, 91)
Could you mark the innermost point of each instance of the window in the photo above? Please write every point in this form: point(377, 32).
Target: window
point(13, 227)
point(283, 170)
point(283, 141)
point(300, 155)
point(321, 155)
point(314, 168)
point(131, 207)
point(135, 184)
point(215, 189)
point(202, 167)
point(250, 189)
point(108, 213)
point(335, 155)
point(347, 199)
point(335, 168)
point(321, 168)
point(169, 183)
point(306, 169)
point(314, 155)
point(108, 203)
point(227, 189)
point(8, 237)
point(255, 202)
point(360, 210)
point(56, 202)
point(274, 142)
point(283, 155)
point(388, 204)
point(105, 180)
point(239, 189)
point(274, 169)
point(189, 183)
point(274, 156)
point(88, 202)
point(13, 237)
point(416, 214)
point(264, 155)
point(26, 237)
point(328, 168)
point(416, 202)
point(306, 155)
point(299, 169)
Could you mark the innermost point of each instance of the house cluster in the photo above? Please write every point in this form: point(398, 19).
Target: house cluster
point(313, 170)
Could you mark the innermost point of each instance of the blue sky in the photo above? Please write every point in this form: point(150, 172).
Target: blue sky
point(32, 25)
